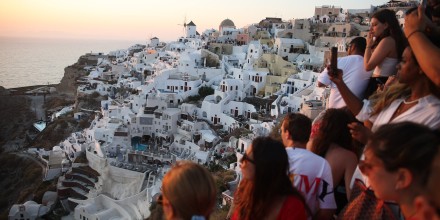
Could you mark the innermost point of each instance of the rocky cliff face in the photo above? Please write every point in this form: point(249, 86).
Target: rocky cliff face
point(67, 84)
point(72, 73)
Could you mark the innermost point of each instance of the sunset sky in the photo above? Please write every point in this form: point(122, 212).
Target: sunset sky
point(143, 19)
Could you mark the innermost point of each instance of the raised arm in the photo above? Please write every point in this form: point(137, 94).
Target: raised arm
point(323, 78)
point(383, 49)
point(353, 103)
point(426, 53)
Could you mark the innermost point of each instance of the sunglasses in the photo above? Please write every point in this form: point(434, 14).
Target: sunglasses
point(246, 158)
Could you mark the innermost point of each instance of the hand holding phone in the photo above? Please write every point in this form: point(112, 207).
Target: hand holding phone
point(333, 62)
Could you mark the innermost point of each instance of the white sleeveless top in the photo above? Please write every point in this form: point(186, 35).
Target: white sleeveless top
point(386, 68)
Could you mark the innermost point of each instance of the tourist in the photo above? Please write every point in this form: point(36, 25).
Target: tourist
point(333, 142)
point(385, 44)
point(398, 159)
point(415, 99)
point(265, 192)
point(188, 192)
point(310, 173)
point(420, 32)
point(355, 76)
point(427, 204)
point(432, 192)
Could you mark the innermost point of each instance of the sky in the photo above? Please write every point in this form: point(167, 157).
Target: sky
point(144, 19)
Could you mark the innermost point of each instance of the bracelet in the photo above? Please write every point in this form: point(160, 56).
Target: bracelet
point(410, 34)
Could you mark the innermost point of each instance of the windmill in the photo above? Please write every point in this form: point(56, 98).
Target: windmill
point(183, 26)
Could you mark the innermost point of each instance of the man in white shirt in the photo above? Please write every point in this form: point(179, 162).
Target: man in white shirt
point(355, 75)
point(310, 173)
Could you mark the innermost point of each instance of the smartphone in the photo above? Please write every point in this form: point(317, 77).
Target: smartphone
point(334, 60)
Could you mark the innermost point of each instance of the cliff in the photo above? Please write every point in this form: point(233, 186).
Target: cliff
point(68, 83)
point(20, 177)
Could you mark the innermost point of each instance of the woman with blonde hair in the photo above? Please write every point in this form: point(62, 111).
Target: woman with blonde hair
point(415, 98)
point(188, 192)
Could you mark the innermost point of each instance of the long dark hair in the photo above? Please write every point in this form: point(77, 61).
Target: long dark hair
point(406, 145)
point(394, 30)
point(253, 198)
point(333, 129)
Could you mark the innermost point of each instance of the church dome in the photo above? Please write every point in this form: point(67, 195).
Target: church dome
point(227, 23)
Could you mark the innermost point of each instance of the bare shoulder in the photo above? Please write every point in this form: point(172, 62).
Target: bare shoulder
point(388, 39)
point(339, 153)
point(387, 42)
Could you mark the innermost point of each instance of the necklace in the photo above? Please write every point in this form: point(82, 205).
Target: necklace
point(410, 102)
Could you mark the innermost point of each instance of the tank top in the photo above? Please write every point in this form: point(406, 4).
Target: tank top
point(386, 68)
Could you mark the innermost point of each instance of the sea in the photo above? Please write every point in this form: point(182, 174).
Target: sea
point(39, 61)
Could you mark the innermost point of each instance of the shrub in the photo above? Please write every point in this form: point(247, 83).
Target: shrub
point(205, 91)
point(193, 98)
point(95, 95)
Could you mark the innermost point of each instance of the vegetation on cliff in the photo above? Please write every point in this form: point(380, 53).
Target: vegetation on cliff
point(16, 118)
point(20, 177)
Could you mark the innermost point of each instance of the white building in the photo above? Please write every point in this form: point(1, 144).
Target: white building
point(191, 31)
point(289, 48)
point(154, 42)
point(29, 210)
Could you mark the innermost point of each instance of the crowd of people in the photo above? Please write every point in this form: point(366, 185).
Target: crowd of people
point(374, 153)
